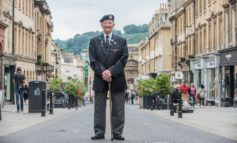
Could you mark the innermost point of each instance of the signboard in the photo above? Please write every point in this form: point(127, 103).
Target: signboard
point(211, 64)
point(228, 58)
point(179, 75)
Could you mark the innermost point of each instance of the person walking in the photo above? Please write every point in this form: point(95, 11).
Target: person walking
point(26, 94)
point(19, 81)
point(192, 92)
point(201, 95)
point(108, 54)
point(133, 94)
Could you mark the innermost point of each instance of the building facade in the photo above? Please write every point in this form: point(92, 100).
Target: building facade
point(155, 54)
point(44, 28)
point(203, 38)
point(25, 30)
point(131, 69)
point(7, 61)
point(228, 52)
point(71, 67)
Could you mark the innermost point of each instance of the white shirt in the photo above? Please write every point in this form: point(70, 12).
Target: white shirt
point(110, 36)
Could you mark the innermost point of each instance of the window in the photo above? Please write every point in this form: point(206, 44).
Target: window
point(204, 5)
point(205, 40)
point(209, 37)
point(233, 26)
point(215, 36)
point(200, 42)
point(209, 2)
point(226, 28)
point(200, 7)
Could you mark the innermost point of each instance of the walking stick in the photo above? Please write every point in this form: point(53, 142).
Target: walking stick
point(110, 102)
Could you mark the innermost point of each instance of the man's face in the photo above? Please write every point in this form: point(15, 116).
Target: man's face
point(108, 26)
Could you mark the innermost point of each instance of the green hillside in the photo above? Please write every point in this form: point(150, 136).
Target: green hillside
point(133, 33)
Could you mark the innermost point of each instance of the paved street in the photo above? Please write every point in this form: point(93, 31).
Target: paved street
point(141, 126)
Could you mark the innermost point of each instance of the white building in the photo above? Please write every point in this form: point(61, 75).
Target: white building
point(71, 66)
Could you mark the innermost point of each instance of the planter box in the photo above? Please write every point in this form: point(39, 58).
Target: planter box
point(60, 101)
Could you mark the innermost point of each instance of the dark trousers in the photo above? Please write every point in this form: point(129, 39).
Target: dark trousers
point(201, 101)
point(118, 113)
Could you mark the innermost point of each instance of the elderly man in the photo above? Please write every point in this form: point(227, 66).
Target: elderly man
point(108, 56)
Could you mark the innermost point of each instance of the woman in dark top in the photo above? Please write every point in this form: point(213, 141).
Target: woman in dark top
point(26, 93)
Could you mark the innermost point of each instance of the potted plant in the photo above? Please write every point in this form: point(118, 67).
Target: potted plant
point(75, 90)
point(163, 85)
point(145, 88)
point(56, 88)
point(55, 85)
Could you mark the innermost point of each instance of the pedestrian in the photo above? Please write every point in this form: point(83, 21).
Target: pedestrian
point(184, 88)
point(132, 96)
point(201, 95)
point(235, 98)
point(26, 94)
point(84, 100)
point(126, 96)
point(19, 81)
point(108, 55)
point(192, 93)
point(185, 97)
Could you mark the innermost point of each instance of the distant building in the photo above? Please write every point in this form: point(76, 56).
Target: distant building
point(155, 54)
point(71, 66)
point(131, 69)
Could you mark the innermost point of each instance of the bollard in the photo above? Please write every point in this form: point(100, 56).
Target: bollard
point(172, 104)
point(51, 102)
point(43, 107)
point(180, 105)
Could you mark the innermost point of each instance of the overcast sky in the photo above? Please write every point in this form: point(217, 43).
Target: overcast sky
point(72, 17)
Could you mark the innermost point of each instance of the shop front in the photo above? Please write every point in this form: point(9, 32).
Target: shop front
point(206, 72)
point(197, 69)
point(212, 79)
point(228, 63)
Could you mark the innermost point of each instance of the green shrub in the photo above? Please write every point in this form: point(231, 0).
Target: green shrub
point(55, 85)
point(75, 88)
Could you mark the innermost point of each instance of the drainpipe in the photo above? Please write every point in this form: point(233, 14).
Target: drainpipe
point(13, 25)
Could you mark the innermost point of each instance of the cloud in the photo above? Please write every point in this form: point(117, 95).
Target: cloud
point(71, 17)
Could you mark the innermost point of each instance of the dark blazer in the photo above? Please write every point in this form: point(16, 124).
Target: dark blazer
point(113, 58)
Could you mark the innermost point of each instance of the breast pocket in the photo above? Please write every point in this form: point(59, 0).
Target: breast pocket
point(116, 53)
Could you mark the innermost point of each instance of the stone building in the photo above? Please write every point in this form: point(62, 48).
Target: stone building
point(25, 32)
point(228, 52)
point(71, 66)
point(131, 69)
point(203, 42)
point(44, 28)
point(155, 53)
point(7, 59)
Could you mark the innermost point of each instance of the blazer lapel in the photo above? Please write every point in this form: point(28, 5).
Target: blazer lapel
point(102, 45)
point(114, 41)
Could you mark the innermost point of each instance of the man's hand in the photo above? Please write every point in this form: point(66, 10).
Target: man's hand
point(107, 75)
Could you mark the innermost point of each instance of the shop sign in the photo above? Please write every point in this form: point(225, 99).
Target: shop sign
point(198, 65)
point(179, 75)
point(228, 58)
point(211, 64)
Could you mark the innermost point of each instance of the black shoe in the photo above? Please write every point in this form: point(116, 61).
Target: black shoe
point(97, 137)
point(119, 137)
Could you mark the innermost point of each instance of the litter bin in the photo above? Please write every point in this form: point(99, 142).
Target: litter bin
point(37, 96)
